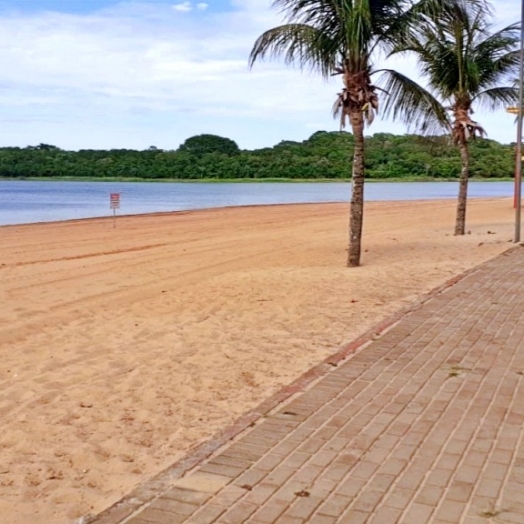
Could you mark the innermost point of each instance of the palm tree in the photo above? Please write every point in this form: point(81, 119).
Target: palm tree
point(464, 64)
point(342, 37)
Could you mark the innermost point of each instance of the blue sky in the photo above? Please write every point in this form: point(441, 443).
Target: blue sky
point(109, 74)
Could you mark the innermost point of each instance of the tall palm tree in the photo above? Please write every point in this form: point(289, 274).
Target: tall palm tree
point(342, 37)
point(464, 63)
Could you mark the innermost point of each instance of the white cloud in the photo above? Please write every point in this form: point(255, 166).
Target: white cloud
point(184, 6)
point(188, 6)
point(140, 74)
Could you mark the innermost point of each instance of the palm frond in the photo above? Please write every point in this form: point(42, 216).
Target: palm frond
point(412, 104)
point(497, 97)
point(298, 44)
point(497, 56)
point(357, 25)
point(456, 51)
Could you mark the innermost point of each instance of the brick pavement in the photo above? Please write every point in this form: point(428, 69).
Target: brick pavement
point(425, 424)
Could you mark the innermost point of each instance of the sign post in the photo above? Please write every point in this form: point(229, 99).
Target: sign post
point(114, 204)
point(520, 109)
point(518, 164)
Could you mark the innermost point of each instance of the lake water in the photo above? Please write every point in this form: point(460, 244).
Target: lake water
point(23, 201)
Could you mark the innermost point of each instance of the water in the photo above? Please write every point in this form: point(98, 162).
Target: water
point(23, 201)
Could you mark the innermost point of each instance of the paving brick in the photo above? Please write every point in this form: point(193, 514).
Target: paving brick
point(495, 471)
point(417, 514)
point(296, 460)
point(468, 474)
point(270, 461)
point(481, 506)
point(270, 513)
point(220, 469)
point(387, 441)
point(279, 475)
point(429, 495)
point(337, 443)
point(404, 451)
point(448, 461)
point(350, 487)
point(488, 487)
point(386, 437)
point(439, 477)
point(236, 462)
point(512, 493)
point(202, 482)
point(187, 495)
point(382, 481)
point(157, 516)
point(475, 458)
point(229, 495)
point(412, 478)
point(250, 478)
point(238, 513)
point(512, 517)
point(260, 494)
point(323, 519)
point(301, 434)
point(450, 511)
point(285, 519)
point(245, 451)
point(265, 441)
point(325, 433)
point(364, 470)
point(173, 506)
point(337, 470)
point(367, 501)
point(284, 448)
point(377, 455)
point(385, 515)
point(460, 491)
point(303, 507)
point(291, 490)
point(308, 473)
point(335, 505)
point(393, 466)
point(323, 458)
point(355, 517)
point(312, 445)
point(323, 487)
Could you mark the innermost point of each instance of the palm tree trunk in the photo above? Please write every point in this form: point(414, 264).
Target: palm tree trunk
point(460, 222)
point(356, 214)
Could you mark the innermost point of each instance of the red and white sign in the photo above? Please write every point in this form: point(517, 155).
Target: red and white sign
point(114, 201)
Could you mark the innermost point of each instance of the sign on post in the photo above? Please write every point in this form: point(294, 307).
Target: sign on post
point(114, 204)
point(115, 200)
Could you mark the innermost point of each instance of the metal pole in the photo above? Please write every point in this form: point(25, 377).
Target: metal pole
point(518, 160)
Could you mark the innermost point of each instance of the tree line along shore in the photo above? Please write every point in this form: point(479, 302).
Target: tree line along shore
point(323, 156)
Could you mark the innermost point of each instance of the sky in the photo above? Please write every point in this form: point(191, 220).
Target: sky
point(103, 74)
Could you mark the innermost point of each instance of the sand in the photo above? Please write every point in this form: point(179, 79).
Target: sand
point(122, 348)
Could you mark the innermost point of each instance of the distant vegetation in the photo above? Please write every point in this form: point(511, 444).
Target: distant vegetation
point(323, 156)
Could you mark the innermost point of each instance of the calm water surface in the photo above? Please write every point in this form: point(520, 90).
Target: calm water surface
point(23, 202)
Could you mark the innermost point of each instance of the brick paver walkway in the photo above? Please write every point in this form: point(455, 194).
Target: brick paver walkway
point(423, 425)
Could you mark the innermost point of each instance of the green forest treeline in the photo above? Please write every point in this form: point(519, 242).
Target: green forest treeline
point(325, 155)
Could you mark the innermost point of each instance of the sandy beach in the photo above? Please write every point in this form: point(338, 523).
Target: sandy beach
point(122, 348)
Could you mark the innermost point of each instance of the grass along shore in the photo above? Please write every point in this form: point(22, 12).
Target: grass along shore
point(249, 180)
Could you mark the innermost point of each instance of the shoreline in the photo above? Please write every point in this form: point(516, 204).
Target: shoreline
point(244, 206)
point(121, 350)
point(251, 180)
